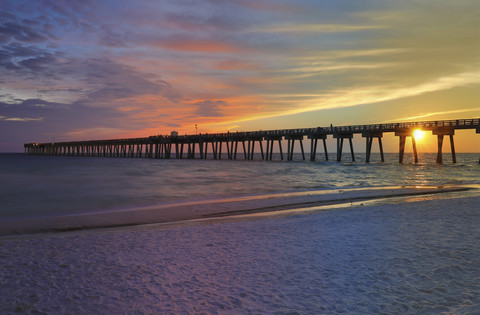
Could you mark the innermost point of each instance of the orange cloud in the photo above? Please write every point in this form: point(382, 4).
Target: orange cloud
point(234, 64)
point(197, 45)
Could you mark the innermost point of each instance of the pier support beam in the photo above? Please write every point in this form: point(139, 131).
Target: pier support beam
point(403, 133)
point(230, 147)
point(440, 132)
point(313, 145)
point(200, 148)
point(177, 150)
point(219, 148)
point(369, 135)
point(291, 144)
point(245, 154)
point(235, 151)
point(478, 131)
point(251, 146)
point(270, 140)
point(191, 150)
point(340, 136)
point(168, 150)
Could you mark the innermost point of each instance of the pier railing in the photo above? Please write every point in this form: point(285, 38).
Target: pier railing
point(181, 146)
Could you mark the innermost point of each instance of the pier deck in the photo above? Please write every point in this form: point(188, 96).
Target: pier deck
point(184, 146)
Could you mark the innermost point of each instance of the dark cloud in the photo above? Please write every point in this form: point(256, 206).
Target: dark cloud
point(66, 7)
point(19, 50)
point(6, 62)
point(209, 108)
point(110, 81)
point(104, 79)
point(38, 22)
point(38, 63)
point(56, 89)
point(76, 13)
point(111, 37)
point(194, 22)
point(52, 117)
point(21, 33)
point(39, 120)
point(27, 60)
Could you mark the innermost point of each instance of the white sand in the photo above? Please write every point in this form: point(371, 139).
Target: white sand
point(403, 257)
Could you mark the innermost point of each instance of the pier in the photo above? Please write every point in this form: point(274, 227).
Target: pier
point(176, 146)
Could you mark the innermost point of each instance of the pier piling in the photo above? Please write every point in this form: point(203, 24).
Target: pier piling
point(314, 143)
point(403, 133)
point(369, 135)
point(440, 132)
point(340, 135)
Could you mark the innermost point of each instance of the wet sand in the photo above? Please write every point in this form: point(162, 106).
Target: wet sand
point(227, 207)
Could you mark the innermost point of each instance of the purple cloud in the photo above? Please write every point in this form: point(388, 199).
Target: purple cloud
point(210, 108)
point(28, 61)
point(110, 81)
point(21, 33)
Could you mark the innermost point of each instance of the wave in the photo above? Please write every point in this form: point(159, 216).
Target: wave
point(243, 207)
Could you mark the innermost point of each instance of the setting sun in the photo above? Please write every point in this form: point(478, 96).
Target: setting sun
point(418, 134)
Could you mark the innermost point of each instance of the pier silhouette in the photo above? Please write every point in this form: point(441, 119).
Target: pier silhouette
point(185, 146)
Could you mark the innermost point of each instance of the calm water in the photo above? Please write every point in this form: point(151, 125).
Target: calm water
point(47, 185)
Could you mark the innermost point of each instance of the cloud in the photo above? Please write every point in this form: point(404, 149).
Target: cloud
point(237, 64)
point(39, 63)
point(427, 47)
point(22, 61)
point(101, 80)
point(110, 81)
point(21, 33)
point(266, 6)
point(213, 21)
point(195, 45)
point(110, 36)
point(447, 112)
point(20, 119)
point(51, 117)
point(318, 28)
point(209, 108)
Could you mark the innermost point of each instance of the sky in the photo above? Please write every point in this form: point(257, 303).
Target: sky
point(101, 69)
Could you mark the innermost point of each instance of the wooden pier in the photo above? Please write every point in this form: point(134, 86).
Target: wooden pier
point(179, 147)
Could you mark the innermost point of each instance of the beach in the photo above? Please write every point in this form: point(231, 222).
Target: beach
point(408, 255)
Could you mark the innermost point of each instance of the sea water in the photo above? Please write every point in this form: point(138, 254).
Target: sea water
point(32, 186)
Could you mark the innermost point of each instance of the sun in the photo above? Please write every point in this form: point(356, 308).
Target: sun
point(418, 134)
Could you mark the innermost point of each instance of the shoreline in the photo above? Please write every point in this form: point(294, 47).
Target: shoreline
point(242, 207)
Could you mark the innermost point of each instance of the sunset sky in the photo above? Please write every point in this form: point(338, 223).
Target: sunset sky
point(80, 69)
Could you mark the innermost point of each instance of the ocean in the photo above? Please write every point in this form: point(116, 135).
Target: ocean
point(351, 237)
point(49, 186)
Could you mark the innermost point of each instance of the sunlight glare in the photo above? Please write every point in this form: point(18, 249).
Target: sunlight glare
point(418, 134)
